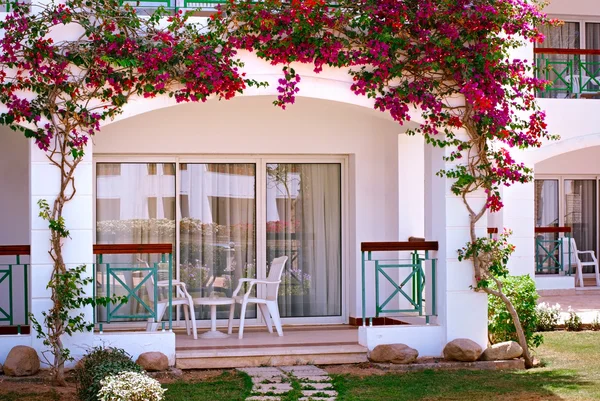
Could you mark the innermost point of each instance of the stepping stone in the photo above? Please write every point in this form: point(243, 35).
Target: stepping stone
point(304, 370)
point(313, 379)
point(260, 371)
point(317, 398)
point(263, 398)
point(267, 379)
point(265, 388)
point(317, 386)
point(319, 393)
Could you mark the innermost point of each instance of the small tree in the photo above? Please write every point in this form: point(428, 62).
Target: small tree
point(448, 60)
point(57, 90)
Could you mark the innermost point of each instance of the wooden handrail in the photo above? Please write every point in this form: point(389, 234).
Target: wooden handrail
point(120, 249)
point(546, 230)
point(13, 250)
point(399, 246)
point(492, 230)
point(583, 52)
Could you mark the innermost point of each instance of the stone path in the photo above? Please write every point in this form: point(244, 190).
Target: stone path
point(274, 383)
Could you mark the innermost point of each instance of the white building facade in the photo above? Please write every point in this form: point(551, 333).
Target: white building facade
point(233, 184)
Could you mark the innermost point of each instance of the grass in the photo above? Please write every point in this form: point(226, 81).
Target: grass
point(571, 372)
point(232, 386)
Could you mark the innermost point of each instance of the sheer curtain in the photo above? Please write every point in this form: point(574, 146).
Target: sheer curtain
point(546, 215)
point(580, 214)
point(135, 204)
point(564, 36)
point(218, 241)
point(304, 223)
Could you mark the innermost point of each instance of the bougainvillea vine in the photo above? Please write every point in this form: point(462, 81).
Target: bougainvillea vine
point(447, 61)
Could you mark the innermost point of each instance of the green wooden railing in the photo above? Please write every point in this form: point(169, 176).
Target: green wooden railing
point(574, 73)
point(111, 279)
point(8, 287)
point(407, 278)
point(549, 252)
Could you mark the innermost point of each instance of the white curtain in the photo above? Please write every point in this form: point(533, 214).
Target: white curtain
point(308, 231)
point(564, 36)
point(580, 214)
point(217, 233)
point(135, 204)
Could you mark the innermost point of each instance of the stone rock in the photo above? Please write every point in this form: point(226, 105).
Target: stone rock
point(463, 350)
point(1, 369)
point(153, 361)
point(502, 351)
point(393, 353)
point(21, 361)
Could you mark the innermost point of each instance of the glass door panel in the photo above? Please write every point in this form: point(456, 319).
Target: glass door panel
point(303, 213)
point(580, 214)
point(135, 204)
point(217, 230)
point(546, 215)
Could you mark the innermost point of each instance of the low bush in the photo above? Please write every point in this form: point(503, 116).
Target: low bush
point(523, 295)
point(573, 322)
point(98, 364)
point(547, 316)
point(130, 386)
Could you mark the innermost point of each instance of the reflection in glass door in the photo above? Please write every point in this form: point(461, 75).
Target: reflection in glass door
point(580, 214)
point(303, 213)
point(217, 230)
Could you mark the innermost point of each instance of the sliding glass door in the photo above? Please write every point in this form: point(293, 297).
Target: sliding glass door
point(229, 220)
point(217, 238)
point(569, 201)
point(304, 223)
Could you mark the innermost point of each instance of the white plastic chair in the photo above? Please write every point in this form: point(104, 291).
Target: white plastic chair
point(181, 298)
point(579, 265)
point(268, 305)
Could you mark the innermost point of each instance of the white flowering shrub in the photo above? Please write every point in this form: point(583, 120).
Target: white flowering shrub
point(130, 386)
point(547, 316)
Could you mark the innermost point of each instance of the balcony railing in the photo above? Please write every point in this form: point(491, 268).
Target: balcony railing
point(403, 286)
point(133, 280)
point(14, 285)
point(573, 73)
point(550, 251)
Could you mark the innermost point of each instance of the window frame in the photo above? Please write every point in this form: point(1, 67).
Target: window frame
point(261, 161)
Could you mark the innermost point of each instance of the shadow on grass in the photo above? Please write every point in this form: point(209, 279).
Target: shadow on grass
point(463, 385)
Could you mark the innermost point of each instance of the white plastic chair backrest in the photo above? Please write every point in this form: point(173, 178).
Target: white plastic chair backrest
point(277, 266)
point(565, 251)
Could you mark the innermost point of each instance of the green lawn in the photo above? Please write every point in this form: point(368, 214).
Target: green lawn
point(226, 387)
point(572, 372)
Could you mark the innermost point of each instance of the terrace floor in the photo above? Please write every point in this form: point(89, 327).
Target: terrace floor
point(333, 344)
point(585, 302)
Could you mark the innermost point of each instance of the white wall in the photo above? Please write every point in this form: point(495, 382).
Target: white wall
point(252, 125)
point(573, 7)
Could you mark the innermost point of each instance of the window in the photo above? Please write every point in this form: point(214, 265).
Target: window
point(568, 202)
point(220, 213)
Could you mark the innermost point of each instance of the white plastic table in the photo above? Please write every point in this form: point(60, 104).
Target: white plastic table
point(213, 303)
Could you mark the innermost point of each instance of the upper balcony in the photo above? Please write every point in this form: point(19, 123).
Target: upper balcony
point(573, 73)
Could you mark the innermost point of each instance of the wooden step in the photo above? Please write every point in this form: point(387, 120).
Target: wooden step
point(270, 356)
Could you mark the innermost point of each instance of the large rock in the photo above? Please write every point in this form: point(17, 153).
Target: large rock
point(502, 351)
point(463, 350)
point(393, 353)
point(21, 361)
point(153, 361)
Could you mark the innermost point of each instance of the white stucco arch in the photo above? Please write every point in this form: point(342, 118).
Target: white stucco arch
point(553, 149)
